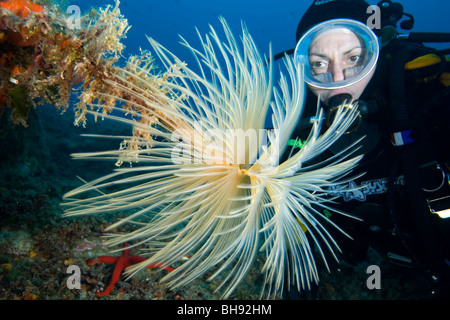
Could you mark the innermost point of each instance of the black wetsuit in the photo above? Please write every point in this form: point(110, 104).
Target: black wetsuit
point(392, 223)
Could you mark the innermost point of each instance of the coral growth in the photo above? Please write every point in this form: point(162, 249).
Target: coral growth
point(21, 8)
point(42, 58)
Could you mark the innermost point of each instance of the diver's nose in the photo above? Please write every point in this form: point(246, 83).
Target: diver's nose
point(337, 71)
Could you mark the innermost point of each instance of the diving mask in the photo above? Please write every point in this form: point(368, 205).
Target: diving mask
point(337, 53)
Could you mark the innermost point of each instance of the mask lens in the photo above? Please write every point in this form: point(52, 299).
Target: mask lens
point(337, 53)
point(352, 72)
point(324, 77)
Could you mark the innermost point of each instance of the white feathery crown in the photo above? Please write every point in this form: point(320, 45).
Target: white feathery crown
point(209, 179)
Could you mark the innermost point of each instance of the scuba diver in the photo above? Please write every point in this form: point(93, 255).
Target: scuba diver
point(401, 87)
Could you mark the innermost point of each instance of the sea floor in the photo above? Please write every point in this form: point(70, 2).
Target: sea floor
point(37, 245)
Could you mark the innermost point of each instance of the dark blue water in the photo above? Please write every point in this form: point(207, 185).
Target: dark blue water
point(269, 22)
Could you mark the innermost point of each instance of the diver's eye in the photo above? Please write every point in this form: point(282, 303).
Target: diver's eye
point(319, 66)
point(354, 59)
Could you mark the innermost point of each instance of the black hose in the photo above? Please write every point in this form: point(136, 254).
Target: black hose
point(429, 37)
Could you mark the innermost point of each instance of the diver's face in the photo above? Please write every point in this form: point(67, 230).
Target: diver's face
point(338, 54)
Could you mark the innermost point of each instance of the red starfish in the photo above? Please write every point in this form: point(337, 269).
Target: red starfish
point(121, 262)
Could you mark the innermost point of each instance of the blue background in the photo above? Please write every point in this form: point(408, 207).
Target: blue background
point(269, 22)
